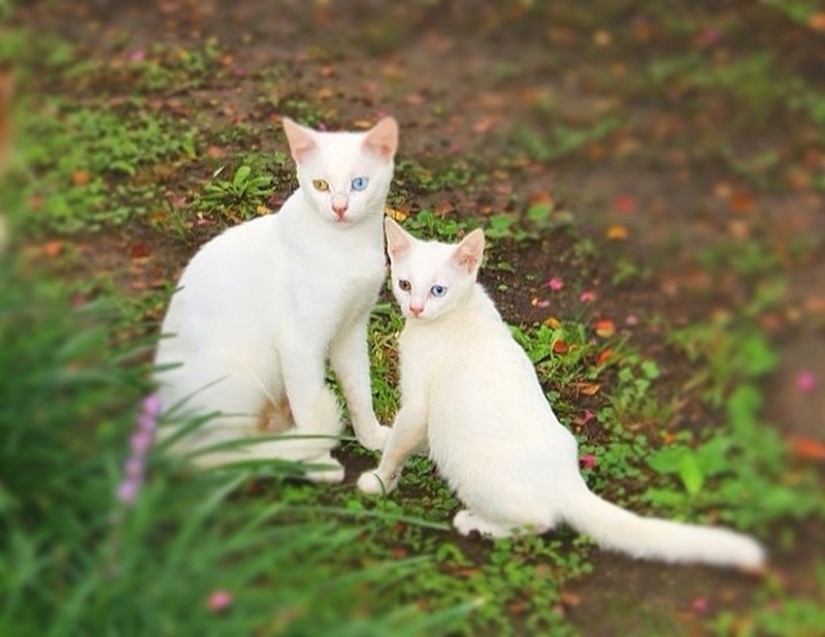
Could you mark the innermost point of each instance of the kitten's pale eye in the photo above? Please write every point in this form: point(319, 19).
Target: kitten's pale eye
point(438, 290)
point(404, 285)
point(360, 183)
point(320, 185)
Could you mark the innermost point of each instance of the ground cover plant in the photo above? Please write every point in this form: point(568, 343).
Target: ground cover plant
point(650, 180)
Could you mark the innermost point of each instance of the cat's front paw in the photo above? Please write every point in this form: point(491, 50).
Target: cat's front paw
point(374, 438)
point(326, 469)
point(373, 484)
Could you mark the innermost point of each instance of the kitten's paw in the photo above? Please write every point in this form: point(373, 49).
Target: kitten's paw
point(374, 438)
point(374, 484)
point(325, 470)
point(465, 522)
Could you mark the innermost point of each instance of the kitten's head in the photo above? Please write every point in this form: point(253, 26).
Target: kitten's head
point(345, 176)
point(429, 278)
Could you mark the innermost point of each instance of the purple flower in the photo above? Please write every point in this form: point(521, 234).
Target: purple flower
point(152, 405)
point(141, 441)
point(128, 491)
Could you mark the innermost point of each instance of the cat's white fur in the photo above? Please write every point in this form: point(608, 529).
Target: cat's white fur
point(471, 393)
point(263, 306)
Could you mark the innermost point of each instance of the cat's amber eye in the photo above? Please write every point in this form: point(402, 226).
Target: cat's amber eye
point(320, 185)
point(404, 285)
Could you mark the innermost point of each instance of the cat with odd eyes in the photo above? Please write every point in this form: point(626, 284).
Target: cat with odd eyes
point(263, 306)
point(470, 393)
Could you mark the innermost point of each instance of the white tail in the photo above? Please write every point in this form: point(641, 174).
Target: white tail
point(617, 529)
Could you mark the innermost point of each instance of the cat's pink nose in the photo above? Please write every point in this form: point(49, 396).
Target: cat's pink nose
point(416, 310)
point(339, 205)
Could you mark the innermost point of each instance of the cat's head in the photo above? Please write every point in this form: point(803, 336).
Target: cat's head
point(431, 279)
point(345, 176)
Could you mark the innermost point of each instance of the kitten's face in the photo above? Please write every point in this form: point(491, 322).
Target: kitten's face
point(345, 176)
point(431, 279)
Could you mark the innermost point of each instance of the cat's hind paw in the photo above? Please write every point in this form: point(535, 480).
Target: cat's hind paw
point(465, 522)
point(374, 438)
point(373, 484)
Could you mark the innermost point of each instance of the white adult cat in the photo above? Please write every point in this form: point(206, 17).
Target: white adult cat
point(264, 305)
point(470, 392)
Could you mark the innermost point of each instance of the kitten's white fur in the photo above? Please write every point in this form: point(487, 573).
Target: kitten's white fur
point(263, 306)
point(471, 393)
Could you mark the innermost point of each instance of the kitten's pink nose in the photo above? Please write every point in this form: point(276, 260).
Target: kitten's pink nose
point(415, 310)
point(339, 205)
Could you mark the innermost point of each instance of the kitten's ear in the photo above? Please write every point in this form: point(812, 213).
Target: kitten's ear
point(469, 252)
point(399, 241)
point(300, 140)
point(382, 139)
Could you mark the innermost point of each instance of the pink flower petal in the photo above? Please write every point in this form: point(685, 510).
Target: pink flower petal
point(219, 601)
point(631, 320)
point(555, 284)
point(588, 461)
point(588, 296)
point(700, 605)
point(806, 382)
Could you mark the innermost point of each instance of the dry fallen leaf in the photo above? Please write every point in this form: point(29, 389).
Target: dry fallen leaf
point(81, 177)
point(588, 389)
point(617, 233)
point(553, 323)
point(605, 328)
point(809, 449)
point(395, 215)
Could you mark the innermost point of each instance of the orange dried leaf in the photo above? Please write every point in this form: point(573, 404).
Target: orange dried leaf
point(604, 356)
point(809, 449)
point(741, 202)
point(605, 328)
point(553, 323)
point(81, 177)
point(560, 347)
point(817, 21)
point(53, 248)
point(395, 215)
point(617, 233)
point(588, 389)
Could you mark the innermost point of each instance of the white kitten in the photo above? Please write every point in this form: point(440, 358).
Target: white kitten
point(470, 391)
point(264, 305)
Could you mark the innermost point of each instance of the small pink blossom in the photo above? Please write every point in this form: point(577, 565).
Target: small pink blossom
point(588, 461)
point(128, 491)
point(587, 416)
point(555, 284)
point(138, 55)
point(151, 405)
point(588, 296)
point(700, 605)
point(632, 319)
point(806, 382)
point(219, 601)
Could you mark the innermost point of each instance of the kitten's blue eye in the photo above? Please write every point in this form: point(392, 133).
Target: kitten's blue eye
point(360, 183)
point(438, 290)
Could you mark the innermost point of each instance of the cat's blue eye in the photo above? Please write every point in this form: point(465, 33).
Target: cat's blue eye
point(360, 183)
point(438, 290)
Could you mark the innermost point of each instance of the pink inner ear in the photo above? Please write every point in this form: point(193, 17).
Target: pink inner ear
point(383, 138)
point(300, 143)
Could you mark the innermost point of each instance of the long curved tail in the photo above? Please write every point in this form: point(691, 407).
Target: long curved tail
point(615, 528)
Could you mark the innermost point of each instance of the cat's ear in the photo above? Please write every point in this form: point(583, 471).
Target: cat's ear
point(382, 139)
point(300, 140)
point(399, 241)
point(469, 252)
